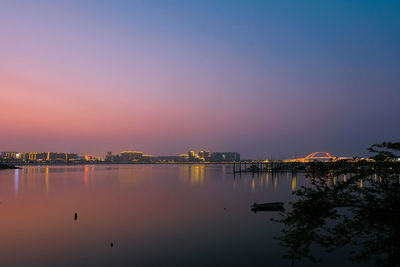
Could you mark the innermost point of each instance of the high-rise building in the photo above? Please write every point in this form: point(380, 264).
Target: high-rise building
point(205, 155)
point(193, 156)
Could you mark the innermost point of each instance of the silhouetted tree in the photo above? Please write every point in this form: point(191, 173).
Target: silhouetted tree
point(348, 205)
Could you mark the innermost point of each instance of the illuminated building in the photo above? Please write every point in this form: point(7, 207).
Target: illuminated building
point(193, 157)
point(21, 156)
point(205, 155)
point(72, 156)
point(53, 156)
point(89, 158)
point(123, 157)
point(9, 155)
point(129, 156)
point(43, 156)
point(31, 156)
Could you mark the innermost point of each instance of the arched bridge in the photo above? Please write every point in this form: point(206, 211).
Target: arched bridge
point(316, 156)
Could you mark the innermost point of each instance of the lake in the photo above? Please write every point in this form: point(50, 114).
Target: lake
point(154, 215)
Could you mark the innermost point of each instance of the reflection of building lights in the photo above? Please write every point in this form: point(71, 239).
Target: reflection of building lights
point(252, 184)
point(294, 180)
point(16, 182)
point(85, 176)
point(197, 175)
point(46, 179)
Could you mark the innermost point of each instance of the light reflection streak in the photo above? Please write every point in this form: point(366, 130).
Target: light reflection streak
point(46, 179)
point(196, 175)
point(294, 181)
point(85, 176)
point(16, 182)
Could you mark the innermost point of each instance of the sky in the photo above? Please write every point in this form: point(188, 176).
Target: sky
point(268, 79)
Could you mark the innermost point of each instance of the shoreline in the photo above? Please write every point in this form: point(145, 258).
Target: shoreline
point(8, 166)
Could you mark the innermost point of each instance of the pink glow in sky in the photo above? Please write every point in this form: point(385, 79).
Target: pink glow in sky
point(163, 79)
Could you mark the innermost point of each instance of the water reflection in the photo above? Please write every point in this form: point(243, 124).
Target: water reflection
point(294, 179)
point(196, 174)
point(137, 206)
point(43, 178)
point(31, 179)
point(193, 174)
point(47, 180)
point(16, 182)
point(85, 176)
point(262, 180)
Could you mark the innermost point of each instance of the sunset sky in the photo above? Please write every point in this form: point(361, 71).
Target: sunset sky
point(263, 78)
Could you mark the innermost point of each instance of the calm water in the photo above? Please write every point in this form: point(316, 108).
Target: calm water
point(155, 215)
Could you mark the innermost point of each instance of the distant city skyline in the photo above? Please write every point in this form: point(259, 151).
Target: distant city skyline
point(270, 79)
point(121, 157)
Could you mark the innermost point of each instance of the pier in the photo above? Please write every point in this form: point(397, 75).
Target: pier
point(267, 166)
